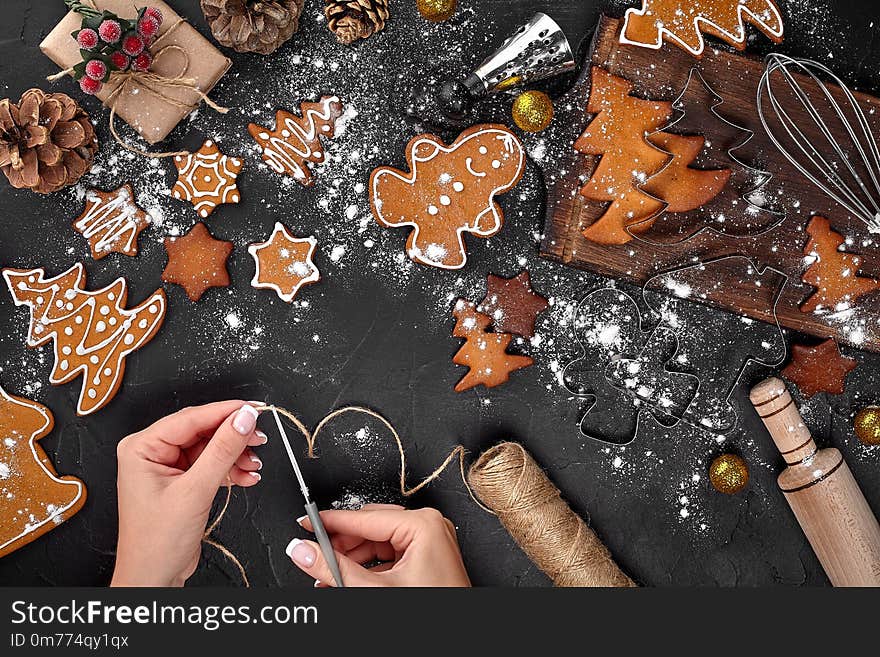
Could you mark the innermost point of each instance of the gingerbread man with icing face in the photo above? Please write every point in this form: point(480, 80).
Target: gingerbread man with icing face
point(449, 191)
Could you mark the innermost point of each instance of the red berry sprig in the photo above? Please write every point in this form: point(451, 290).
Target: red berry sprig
point(110, 44)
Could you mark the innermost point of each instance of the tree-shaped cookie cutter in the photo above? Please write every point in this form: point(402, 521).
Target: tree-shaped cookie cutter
point(599, 372)
point(761, 177)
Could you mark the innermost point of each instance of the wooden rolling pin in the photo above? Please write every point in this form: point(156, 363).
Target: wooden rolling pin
point(822, 492)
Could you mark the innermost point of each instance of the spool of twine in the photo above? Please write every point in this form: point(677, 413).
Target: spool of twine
point(509, 482)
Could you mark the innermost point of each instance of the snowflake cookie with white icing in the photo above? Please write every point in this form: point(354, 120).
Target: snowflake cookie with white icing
point(207, 178)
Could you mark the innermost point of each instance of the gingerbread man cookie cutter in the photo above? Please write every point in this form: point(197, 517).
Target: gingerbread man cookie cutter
point(601, 369)
point(607, 343)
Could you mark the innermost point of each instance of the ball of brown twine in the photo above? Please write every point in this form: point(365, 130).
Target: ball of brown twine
point(509, 482)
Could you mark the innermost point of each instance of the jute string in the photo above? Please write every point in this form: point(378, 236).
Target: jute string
point(154, 84)
point(531, 508)
point(506, 482)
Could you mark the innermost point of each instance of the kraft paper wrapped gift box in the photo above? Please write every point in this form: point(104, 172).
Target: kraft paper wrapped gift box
point(193, 57)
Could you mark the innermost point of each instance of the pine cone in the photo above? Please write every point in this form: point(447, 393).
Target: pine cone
point(260, 26)
point(46, 141)
point(351, 20)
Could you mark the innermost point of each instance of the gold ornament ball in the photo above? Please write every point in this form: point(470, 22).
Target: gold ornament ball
point(437, 10)
point(533, 111)
point(729, 474)
point(867, 426)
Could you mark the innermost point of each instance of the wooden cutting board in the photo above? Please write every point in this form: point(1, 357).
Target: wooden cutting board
point(661, 75)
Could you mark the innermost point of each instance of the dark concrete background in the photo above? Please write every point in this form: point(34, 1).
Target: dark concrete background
point(380, 335)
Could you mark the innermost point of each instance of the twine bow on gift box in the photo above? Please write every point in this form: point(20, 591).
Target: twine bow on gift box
point(131, 81)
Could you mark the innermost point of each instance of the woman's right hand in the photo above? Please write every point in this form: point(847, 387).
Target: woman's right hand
point(413, 548)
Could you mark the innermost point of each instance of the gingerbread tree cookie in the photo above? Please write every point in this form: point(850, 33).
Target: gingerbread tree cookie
point(512, 304)
point(483, 352)
point(819, 369)
point(295, 142)
point(112, 222)
point(682, 23)
point(721, 186)
point(682, 187)
point(197, 261)
point(617, 134)
point(35, 499)
point(284, 263)
point(833, 273)
point(207, 178)
point(93, 331)
point(449, 190)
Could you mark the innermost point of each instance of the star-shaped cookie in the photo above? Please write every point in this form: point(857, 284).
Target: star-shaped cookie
point(819, 369)
point(512, 304)
point(284, 263)
point(197, 261)
point(207, 178)
point(111, 222)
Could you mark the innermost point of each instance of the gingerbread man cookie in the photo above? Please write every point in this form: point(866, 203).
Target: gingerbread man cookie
point(112, 222)
point(35, 499)
point(450, 190)
point(93, 331)
point(683, 22)
point(296, 140)
point(207, 178)
point(284, 263)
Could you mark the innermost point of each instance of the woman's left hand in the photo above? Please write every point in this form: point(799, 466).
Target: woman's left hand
point(168, 476)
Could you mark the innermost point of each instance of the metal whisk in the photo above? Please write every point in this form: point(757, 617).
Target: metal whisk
point(847, 172)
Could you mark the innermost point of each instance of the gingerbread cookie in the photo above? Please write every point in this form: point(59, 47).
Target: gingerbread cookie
point(833, 272)
point(680, 186)
point(207, 178)
point(483, 352)
point(296, 140)
point(512, 304)
point(111, 222)
point(197, 261)
point(93, 331)
point(449, 190)
point(617, 134)
point(819, 369)
point(35, 498)
point(284, 263)
point(680, 22)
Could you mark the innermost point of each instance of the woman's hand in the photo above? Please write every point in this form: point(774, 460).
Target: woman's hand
point(168, 477)
point(413, 548)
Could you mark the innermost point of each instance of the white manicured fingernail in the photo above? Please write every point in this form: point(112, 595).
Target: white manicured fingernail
point(245, 420)
point(301, 519)
point(262, 435)
point(301, 553)
point(317, 583)
point(255, 475)
point(259, 463)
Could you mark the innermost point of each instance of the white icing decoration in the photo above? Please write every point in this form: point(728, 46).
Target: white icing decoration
point(736, 38)
point(279, 153)
point(218, 171)
point(115, 221)
point(85, 306)
point(281, 232)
